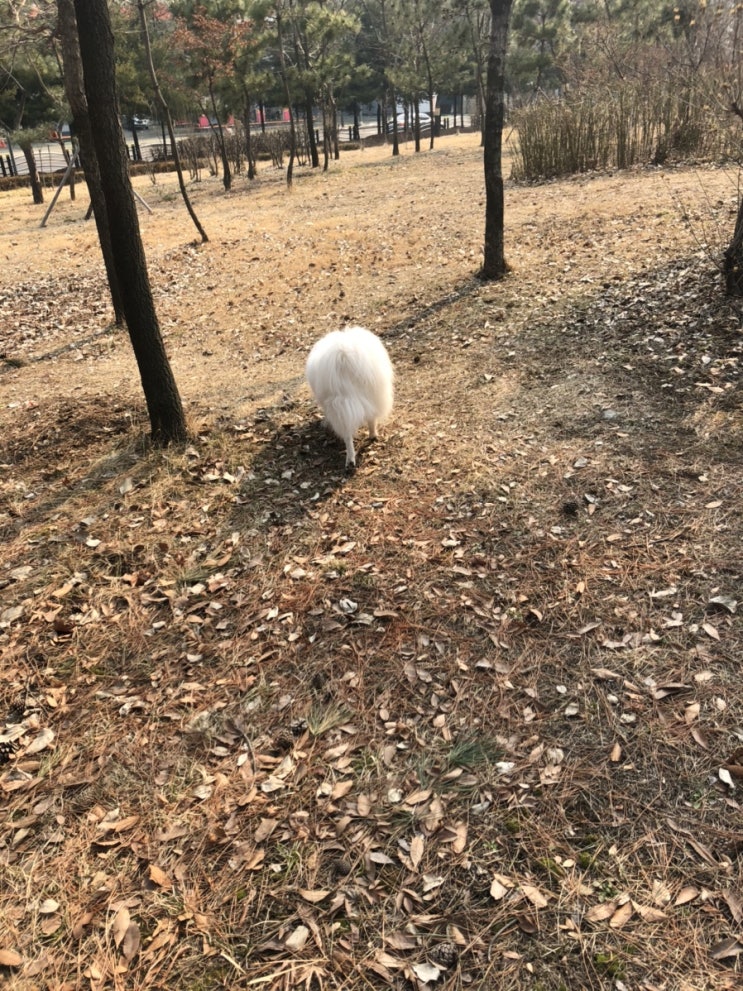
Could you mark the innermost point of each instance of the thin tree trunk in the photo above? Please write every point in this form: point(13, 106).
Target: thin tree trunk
point(168, 119)
point(395, 137)
point(494, 262)
point(733, 260)
point(164, 406)
point(135, 142)
point(287, 94)
point(219, 132)
point(249, 154)
point(429, 80)
point(325, 137)
point(37, 190)
point(314, 155)
point(333, 116)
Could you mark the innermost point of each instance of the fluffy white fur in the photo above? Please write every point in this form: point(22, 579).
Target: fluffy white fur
point(351, 376)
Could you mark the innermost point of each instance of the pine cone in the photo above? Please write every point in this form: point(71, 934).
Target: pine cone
point(445, 954)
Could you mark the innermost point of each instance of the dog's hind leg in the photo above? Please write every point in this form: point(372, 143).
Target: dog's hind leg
point(350, 454)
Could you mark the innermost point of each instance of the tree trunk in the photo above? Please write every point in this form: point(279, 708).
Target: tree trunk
point(333, 123)
point(33, 173)
point(325, 136)
point(314, 154)
point(218, 131)
point(733, 261)
point(164, 406)
point(395, 136)
point(75, 92)
point(249, 154)
point(168, 119)
point(494, 262)
point(135, 142)
point(287, 94)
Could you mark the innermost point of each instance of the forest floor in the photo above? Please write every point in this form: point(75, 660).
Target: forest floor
point(471, 717)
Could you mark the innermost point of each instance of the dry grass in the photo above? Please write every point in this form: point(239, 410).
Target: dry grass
point(457, 719)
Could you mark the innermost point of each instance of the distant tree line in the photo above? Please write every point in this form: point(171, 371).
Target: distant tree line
point(243, 59)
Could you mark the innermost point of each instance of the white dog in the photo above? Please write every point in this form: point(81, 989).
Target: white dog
point(350, 374)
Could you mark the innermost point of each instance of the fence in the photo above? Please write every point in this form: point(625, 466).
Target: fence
point(49, 158)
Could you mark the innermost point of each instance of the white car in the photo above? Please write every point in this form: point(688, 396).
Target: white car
point(425, 120)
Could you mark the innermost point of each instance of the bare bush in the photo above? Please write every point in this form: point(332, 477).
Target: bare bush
point(617, 128)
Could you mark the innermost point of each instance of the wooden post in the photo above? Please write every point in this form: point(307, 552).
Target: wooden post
point(58, 190)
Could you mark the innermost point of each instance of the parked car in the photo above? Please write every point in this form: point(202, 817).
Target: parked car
point(140, 123)
point(425, 121)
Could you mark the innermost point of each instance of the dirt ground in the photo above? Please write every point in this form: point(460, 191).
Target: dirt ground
point(469, 718)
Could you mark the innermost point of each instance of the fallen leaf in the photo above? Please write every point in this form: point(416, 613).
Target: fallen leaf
point(686, 895)
point(622, 916)
point(724, 602)
point(730, 947)
point(377, 857)
point(497, 890)
point(460, 843)
point(401, 941)
point(387, 960)
point(417, 847)
point(726, 777)
point(426, 972)
point(416, 797)
point(648, 913)
point(120, 925)
point(535, 896)
point(159, 877)
point(296, 940)
point(121, 825)
point(313, 895)
point(9, 958)
point(734, 902)
point(661, 894)
point(597, 913)
point(132, 942)
point(341, 788)
point(264, 829)
point(432, 881)
point(41, 741)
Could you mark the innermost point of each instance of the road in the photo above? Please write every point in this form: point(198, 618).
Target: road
point(49, 157)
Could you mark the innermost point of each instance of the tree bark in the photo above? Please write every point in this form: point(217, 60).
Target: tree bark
point(494, 262)
point(72, 70)
point(164, 406)
point(37, 189)
point(733, 260)
point(248, 134)
point(308, 105)
point(218, 132)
